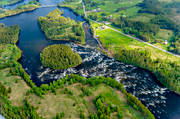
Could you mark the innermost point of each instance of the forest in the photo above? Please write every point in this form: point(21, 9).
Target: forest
point(57, 27)
point(59, 57)
point(9, 35)
point(167, 72)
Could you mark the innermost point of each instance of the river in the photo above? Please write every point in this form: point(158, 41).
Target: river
point(164, 104)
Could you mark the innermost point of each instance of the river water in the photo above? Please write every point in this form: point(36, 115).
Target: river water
point(163, 103)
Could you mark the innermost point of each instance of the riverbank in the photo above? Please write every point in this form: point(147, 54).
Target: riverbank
point(18, 10)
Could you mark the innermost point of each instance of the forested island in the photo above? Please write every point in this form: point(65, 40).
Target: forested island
point(59, 57)
point(57, 27)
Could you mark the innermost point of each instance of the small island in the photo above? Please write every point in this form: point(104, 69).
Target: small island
point(59, 57)
point(57, 27)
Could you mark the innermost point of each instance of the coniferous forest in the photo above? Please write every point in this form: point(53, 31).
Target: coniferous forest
point(59, 57)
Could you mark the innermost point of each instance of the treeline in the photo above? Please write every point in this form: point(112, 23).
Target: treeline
point(168, 73)
point(3, 90)
point(69, 80)
point(27, 111)
point(140, 29)
point(105, 109)
point(60, 57)
point(9, 34)
point(57, 27)
point(152, 7)
point(165, 14)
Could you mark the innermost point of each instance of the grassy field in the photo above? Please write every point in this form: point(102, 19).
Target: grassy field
point(73, 104)
point(113, 40)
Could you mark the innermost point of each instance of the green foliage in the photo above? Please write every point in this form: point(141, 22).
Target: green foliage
point(151, 6)
point(167, 72)
point(3, 90)
point(82, 116)
point(13, 112)
point(9, 34)
point(57, 27)
point(137, 28)
point(86, 91)
point(59, 116)
point(60, 57)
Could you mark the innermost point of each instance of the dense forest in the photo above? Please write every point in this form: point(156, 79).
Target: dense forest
point(9, 35)
point(168, 73)
point(60, 57)
point(57, 27)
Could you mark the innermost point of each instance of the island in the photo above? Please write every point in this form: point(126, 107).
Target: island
point(59, 57)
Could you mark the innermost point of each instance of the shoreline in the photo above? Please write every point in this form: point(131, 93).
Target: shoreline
point(11, 4)
point(17, 13)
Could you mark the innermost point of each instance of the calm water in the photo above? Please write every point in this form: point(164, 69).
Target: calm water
point(142, 83)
